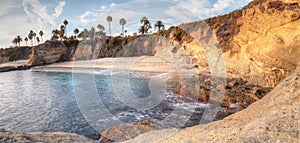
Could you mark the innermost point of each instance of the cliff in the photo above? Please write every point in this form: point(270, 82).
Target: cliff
point(259, 43)
point(14, 54)
point(52, 51)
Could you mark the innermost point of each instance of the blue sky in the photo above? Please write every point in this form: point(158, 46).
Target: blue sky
point(17, 17)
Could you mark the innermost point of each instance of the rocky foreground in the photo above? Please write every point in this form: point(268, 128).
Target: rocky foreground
point(9, 137)
point(275, 118)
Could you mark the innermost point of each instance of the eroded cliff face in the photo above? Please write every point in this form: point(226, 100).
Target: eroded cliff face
point(53, 51)
point(266, 48)
point(14, 54)
point(259, 43)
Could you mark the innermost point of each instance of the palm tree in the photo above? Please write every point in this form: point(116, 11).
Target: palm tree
point(55, 34)
point(30, 36)
point(61, 34)
point(142, 30)
point(26, 40)
point(100, 27)
point(125, 31)
point(101, 32)
point(34, 35)
point(92, 33)
point(76, 31)
point(109, 20)
point(38, 40)
point(14, 41)
point(62, 27)
point(122, 23)
point(19, 40)
point(66, 23)
point(41, 34)
point(159, 25)
point(146, 24)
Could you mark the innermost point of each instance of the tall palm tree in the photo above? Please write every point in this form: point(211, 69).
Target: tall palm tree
point(159, 25)
point(125, 32)
point(26, 40)
point(30, 36)
point(76, 31)
point(38, 40)
point(146, 24)
point(65, 30)
point(41, 34)
point(19, 40)
point(109, 20)
point(122, 23)
point(34, 36)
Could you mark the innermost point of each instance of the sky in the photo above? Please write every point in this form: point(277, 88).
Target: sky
point(18, 17)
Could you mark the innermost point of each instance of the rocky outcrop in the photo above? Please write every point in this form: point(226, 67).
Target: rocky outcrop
point(14, 54)
point(274, 118)
point(9, 137)
point(52, 51)
point(123, 133)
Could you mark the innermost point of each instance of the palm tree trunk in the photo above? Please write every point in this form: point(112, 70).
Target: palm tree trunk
point(34, 41)
point(42, 38)
point(123, 30)
point(109, 29)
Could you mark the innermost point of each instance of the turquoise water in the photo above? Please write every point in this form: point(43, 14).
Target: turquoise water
point(49, 102)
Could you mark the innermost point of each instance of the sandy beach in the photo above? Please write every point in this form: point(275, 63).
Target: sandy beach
point(139, 64)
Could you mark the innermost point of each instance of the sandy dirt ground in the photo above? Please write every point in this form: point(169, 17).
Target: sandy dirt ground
point(143, 64)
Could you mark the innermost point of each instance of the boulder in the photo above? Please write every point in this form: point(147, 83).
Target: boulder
point(123, 133)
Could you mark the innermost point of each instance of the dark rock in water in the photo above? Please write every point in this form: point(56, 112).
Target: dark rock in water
point(123, 133)
point(13, 68)
point(237, 91)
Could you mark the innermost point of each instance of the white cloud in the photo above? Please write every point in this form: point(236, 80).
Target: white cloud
point(112, 4)
point(103, 7)
point(35, 9)
point(87, 17)
point(7, 6)
point(18, 18)
point(221, 5)
point(59, 8)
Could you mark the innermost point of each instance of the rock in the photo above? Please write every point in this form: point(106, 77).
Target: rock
point(47, 53)
point(123, 133)
point(57, 137)
point(53, 51)
point(274, 118)
point(13, 68)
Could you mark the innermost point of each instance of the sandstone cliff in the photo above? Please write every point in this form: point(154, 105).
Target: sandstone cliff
point(259, 43)
point(14, 54)
point(52, 51)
